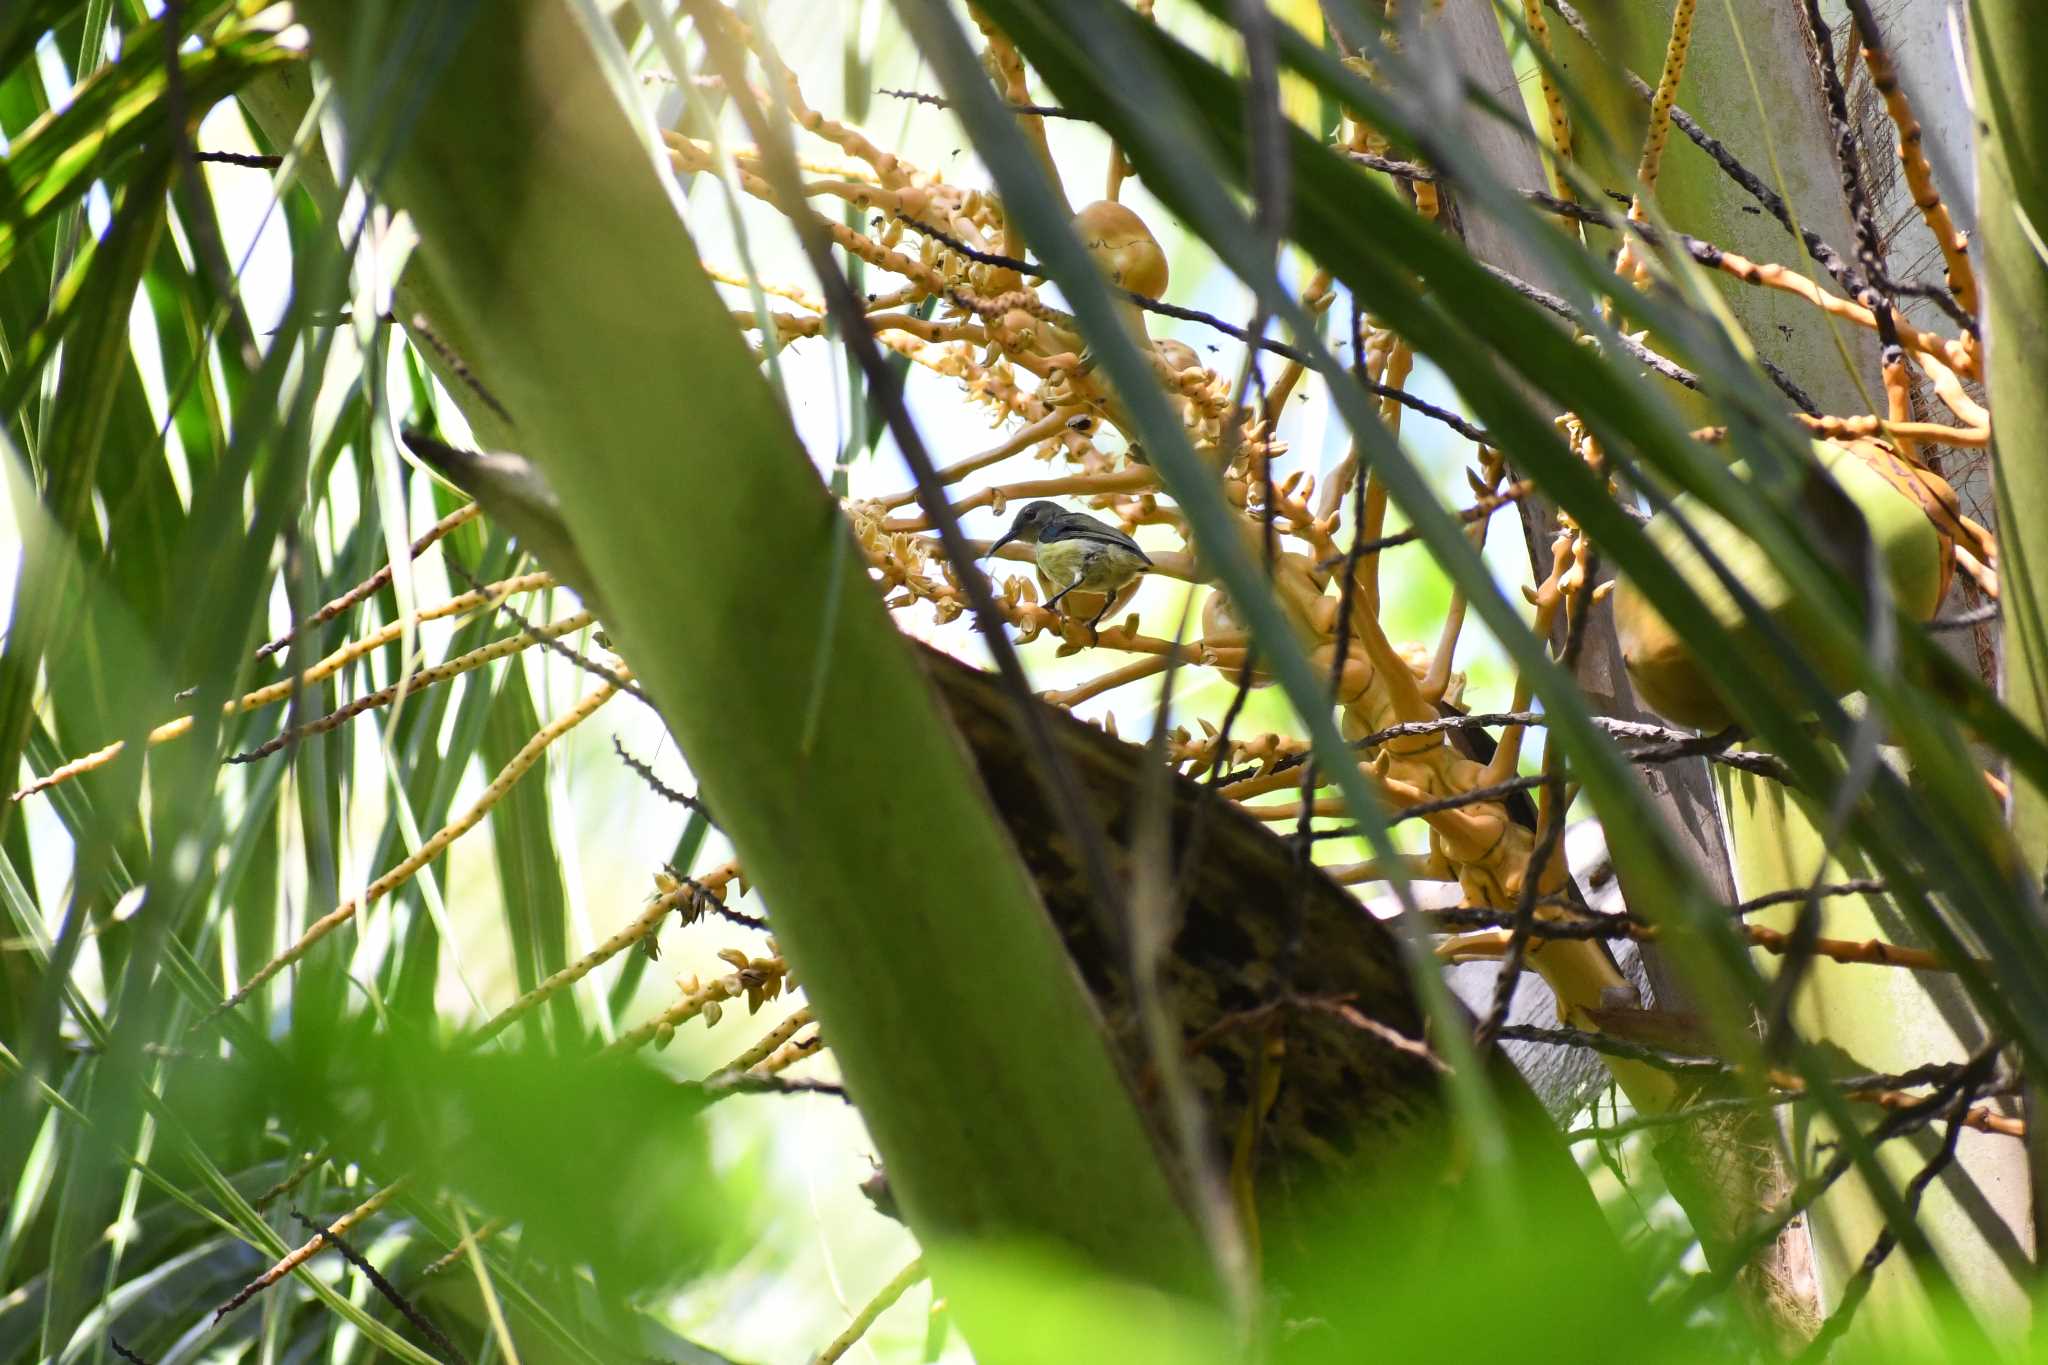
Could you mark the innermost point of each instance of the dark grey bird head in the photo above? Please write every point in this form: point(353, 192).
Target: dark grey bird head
point(517, 496)
point(1031, 523)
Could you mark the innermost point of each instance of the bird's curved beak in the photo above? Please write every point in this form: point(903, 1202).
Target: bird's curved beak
point(1000, 542)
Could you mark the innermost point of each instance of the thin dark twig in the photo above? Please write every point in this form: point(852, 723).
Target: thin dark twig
point(418, 323)
point(1706, 253)
point(702, 898)
point(1420, 727)
point(1624, 926)
point(253, 162)
point(1405, 730)
point(454, 361)
point(1975, 616)
point(1221, 750)
point(1676, 745)
point(1773, 1099)
point(976, 254)
point(1055, 774)
point(1223, 325)
point(482, 1233)
point(1478, 511)
point(1927, 1073)
point(1864, 886)
point(1268, 173)
point(1823, 254)
point(1858, 1287)
point(293, 1180)
point(1157, 902)
point(1220, 1224)
point(941, 102)
point(1347, 586)
point(1718, 748)
point(1269, 537)
point(1301, 357)
point(369, 587)
point(1400, 170)
point(1863, 752)
point(1472, 433)
point(1935, 294)
point(746, 1083)
point(1510, 974)
point(1869, 245)
point(1246, 669)
point(1610, 1046)
point(1468, 798)
point(1343, 1007)
point(131, 1357)
point(553, 646)
point(645, 772)
point(384, 1287)
point(1483, 720)
point(1789, 386)
point(1765, 1231)
point(1642, 354)
point(298, 730)
point(1597, 927)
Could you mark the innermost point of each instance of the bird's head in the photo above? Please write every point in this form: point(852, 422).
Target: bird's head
point(1029, 525)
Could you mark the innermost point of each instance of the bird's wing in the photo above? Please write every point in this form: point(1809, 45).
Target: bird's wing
point(1091, 529)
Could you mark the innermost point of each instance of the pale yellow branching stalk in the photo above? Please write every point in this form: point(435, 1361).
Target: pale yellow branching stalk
point(488, 596)
point(648, 922)
point(788, 1055)
point(1045, 428)
point(299, 1255)
point(434, 846)
point(759, 979)
point(799, 1019)
point(1115, 678)
point(874, 1308)
point(1553, 101)
point(801, 298)
point(377, 581)
point(481, 1234)
point(429, 677)
point(1492, 943)
point(1628, 264)
point(1136, 478)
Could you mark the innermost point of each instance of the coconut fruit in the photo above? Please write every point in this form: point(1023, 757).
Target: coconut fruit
point(1123, 247)
point(1177, 356)
point(1917, 559)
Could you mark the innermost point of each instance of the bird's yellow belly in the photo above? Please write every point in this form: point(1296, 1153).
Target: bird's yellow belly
point(1088, 564)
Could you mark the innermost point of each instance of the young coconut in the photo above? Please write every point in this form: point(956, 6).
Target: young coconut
point(1918, 560)
point(1126, 252)
point(1221, 629)
point(1123, 247)
point(1176, 356)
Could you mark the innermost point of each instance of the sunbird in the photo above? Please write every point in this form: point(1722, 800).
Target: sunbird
point(1342, 1100)
point(1074, 550)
